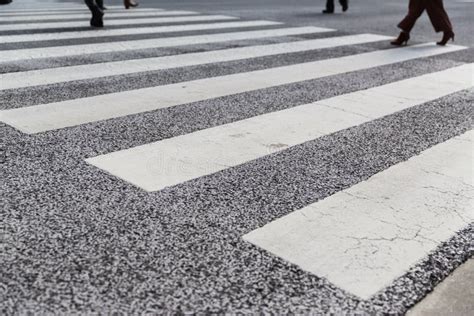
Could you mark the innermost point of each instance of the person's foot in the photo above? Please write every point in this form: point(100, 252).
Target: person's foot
point(446, 37)
point(97, 17)
point(327, 11)
point(401, 40)
point(97, 22)
point(345, 5)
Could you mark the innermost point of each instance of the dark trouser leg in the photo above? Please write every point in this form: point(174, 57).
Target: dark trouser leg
point(330, 5)
point(415, 9)
point(97, 13)
point(91, 4)
point(438, 16)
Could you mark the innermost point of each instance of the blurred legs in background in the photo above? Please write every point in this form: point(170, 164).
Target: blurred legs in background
point(97, 13)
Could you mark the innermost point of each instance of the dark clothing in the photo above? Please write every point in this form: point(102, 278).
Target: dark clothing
point(330, 4)
point(436, 12)
point(94, 4)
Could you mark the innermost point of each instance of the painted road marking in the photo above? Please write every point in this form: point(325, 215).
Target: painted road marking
point(66, 10)
point(83, 9)
point(131, 31)
point(73, 50)
point(117, 22)
point(172, 161)
point(88, 15)
point(44, 117)
point(64, 74)
point(363, 238)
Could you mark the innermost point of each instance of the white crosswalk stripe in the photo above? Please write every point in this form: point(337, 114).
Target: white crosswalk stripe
point(236, 143)
point(51, 116)
point(72, 50)
point(377, 229)
point(64, 74)
point(61, 11)
point(351, 238)
point(115, 22)
point(86, 15)
point(132, 31)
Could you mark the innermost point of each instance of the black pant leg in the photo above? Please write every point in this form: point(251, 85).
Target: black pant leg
point(90, 4)
point(330, 5)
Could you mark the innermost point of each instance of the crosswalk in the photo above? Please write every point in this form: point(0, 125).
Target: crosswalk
point(45, 17)
point(361, 238)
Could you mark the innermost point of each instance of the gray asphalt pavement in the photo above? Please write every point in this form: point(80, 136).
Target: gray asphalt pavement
point(77, 238)
point(370, 16)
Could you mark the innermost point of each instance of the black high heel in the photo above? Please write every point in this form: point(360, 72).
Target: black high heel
point(401, 40)
point(446, 37)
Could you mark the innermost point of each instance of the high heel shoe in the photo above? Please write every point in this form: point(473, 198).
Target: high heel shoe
point(446, 37)
point(401, 40)
point(129, 3)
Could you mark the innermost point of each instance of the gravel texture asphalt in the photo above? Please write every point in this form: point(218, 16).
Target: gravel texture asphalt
point(78, 240)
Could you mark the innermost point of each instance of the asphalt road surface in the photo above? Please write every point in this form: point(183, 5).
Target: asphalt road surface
point(231, 157)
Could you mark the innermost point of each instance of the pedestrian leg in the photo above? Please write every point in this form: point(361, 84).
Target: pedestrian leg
point(329, 6)
point(440, 20)
point(344, 4)
point(97, 13)
point(100, 4)
point(438, 16)
point(415, 9)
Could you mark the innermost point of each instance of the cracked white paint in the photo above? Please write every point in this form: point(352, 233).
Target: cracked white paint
point(80, 72)
point(171, 161)
point(364, 237)
point(115, 22)
point(44, 117)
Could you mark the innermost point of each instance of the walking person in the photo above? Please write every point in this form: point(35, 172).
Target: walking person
point(438, 17)
point(330, 6)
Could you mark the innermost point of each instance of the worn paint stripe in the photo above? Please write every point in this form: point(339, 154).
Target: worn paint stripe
point(364, 237)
